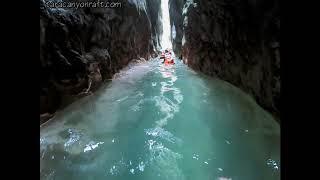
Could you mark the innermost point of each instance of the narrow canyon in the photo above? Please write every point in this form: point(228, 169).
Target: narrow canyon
point(160, 89)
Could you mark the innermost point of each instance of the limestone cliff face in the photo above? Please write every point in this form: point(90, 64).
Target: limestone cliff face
point(235, 40)
point(80, 48)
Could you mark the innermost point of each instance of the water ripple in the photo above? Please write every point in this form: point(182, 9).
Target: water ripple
point(166, 135)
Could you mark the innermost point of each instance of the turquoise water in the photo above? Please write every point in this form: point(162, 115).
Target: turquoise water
point(156, 122)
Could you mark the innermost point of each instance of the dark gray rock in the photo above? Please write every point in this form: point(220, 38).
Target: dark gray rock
point(235, 40)
point(80, 48)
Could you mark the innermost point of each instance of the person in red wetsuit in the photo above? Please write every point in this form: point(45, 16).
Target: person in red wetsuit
point(168, 58)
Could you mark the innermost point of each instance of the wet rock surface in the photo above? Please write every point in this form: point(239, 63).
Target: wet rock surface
point(81, 48)
point(237, 41)
point(176, 22)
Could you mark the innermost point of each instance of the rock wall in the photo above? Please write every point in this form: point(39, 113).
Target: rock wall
point(154, 11)
point(234, 40)
point(81, 48)
point(176, 22)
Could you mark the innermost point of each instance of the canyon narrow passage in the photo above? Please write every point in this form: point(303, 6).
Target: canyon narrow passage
point(118, 112)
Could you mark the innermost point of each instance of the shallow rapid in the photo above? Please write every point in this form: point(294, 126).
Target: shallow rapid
point(156, 122)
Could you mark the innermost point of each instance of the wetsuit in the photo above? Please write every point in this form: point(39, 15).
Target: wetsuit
point(168, 59)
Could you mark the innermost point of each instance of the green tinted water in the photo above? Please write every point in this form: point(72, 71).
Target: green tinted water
point(161, 123)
